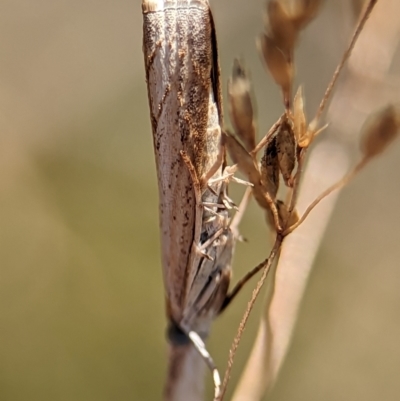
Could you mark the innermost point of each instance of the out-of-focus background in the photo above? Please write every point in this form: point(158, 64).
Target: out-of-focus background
point(81, 294)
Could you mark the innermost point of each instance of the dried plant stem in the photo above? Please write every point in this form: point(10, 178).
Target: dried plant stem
point(239, 285)
point(328, 92)
point(340, 184)
point(266, 265)
point(268, 136)
point(297, 180)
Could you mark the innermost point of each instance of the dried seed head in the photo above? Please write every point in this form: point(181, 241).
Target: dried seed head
point(299, 118)
point(281, 27)
point(286, 148)
point(304, 134)
point(278, 64)
point(270, 168)
point(240, 106)
point(306, 12)
point(248, 167)
point(242, 158)
point(379, 131)
point(298, 12)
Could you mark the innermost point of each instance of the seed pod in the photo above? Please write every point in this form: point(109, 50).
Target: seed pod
point(277, 63)
point(270, 168)
point(286, 147)
point(240, 106)
point(379, 131)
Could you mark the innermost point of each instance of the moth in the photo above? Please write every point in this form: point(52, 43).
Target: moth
point(184, 92)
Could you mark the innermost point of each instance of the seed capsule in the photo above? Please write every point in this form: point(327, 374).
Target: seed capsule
point(270, 168)
point(279, 66)
point(241, 107)
point(281, 26)
point(286, 148)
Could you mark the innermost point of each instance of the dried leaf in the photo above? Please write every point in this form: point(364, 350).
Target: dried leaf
point(240, 106)
point(286, 147)
point(379, 131)
point(270, 168)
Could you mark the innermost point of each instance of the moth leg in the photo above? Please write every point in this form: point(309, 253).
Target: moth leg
point(199, 206)
point(240, 284)
point(200, 251)
point(208, 205)
point(208, 304)
point(226, 178)
point(214, 237)
point(193, 175)
point(228, 175)
point(234, 227)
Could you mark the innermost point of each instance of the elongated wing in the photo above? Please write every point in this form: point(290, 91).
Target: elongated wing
point(180, 72)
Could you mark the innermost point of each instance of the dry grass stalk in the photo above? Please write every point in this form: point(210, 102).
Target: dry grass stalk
point(293, 125)
point(286, 145)
point(298, 250)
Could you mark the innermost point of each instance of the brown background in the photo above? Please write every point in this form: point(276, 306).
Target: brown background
point(81, 297)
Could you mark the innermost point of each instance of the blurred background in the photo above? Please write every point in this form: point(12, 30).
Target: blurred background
point(81, 293)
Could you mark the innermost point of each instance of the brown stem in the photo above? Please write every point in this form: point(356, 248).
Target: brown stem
point(267, 265)
point(239, 285)
point(268, 136)
point(346, 55)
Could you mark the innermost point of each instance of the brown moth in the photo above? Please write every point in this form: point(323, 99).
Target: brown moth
point(184, 91)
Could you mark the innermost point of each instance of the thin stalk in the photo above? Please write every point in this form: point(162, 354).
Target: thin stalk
point(232, 352)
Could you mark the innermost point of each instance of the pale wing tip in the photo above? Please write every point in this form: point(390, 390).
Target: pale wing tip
point(149, 6)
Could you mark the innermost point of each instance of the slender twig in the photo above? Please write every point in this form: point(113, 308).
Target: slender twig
point(328, 92)
point(346, 55)
point(268, 136)
point(301, 157)
point(297, 180)
point(232, 352)
point(239, 285)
